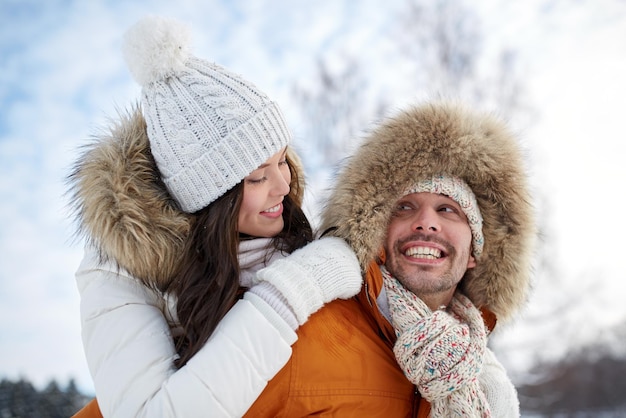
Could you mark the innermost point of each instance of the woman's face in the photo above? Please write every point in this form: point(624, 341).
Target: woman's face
point(261, 212)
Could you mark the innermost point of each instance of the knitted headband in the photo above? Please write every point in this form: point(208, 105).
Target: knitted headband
point(457, 190)
point(208, 128)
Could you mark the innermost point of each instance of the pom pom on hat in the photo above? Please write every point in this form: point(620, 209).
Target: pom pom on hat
point(156, 48)
point(208, 127)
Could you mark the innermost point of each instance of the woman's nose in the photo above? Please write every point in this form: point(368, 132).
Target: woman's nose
point(281, 184)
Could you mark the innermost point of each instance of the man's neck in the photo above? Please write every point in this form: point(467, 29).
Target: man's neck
point(438, 300)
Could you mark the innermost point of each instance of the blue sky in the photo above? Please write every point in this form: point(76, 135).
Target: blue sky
point(61, 75)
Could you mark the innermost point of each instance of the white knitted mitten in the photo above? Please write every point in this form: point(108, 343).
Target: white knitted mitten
point(498, 389)
point(320, 272)
point(275, 300)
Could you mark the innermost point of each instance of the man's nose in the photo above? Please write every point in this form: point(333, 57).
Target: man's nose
point(426, 220)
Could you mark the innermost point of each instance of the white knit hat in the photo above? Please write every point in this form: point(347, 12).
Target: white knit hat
point(457, 190)
point(208, 128)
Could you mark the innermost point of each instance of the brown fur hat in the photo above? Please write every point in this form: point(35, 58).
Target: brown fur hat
point(450, 139)
point(123, 208)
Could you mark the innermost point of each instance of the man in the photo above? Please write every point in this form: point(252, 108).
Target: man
point(436, 207)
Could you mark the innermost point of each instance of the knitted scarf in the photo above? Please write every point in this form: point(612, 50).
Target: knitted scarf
point(253, 255)
point(441, 352)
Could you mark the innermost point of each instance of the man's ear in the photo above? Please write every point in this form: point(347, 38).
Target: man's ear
point(471, 262)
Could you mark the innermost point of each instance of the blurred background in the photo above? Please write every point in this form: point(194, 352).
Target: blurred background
point(555, 69)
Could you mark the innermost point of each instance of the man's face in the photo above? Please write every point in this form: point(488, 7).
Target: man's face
point(428, 243)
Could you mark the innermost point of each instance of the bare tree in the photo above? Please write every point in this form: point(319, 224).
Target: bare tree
point(588, 382)
point(441, 39)
point(444, 41)
point(334, 106)
point(335, 110)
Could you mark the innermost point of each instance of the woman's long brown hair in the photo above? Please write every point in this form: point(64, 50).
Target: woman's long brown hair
point(208, 284)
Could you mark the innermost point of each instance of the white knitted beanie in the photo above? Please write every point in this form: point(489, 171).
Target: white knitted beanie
point(457, 190)
point(208, 128)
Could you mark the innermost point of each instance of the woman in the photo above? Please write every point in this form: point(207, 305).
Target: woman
point(182, 204)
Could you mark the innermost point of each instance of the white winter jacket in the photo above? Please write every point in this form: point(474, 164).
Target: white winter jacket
point(125, 213)
point(130, 350)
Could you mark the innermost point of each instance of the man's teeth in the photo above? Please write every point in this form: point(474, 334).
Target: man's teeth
point(274, 209)
point(423, 252)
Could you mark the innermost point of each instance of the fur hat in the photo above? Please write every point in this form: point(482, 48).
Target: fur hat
point(208, 128)
point(428, 140)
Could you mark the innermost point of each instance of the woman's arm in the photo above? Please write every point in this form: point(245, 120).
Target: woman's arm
point(130, 351)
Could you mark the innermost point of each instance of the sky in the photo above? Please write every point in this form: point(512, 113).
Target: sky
point(62, 75)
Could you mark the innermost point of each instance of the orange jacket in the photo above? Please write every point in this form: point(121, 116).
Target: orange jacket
point(343, 366)
point(91, 410)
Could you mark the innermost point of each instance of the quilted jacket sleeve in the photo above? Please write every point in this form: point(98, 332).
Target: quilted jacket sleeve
point(130, 351)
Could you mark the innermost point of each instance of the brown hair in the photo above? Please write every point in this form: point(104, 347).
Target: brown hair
point(208, 283)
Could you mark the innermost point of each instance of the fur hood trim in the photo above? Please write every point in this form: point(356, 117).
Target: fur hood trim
point(122, 207)
point(448, 139)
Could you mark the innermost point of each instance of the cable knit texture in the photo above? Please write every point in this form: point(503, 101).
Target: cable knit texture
point(441, 352)
point(208, 127)
point(324, 270)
